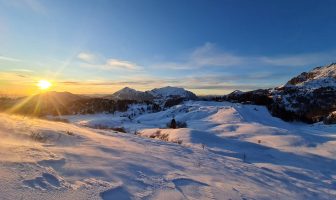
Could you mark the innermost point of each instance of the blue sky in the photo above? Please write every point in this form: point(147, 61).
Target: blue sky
point(209, 46)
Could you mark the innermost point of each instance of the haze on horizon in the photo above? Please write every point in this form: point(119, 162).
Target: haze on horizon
point(208, 47)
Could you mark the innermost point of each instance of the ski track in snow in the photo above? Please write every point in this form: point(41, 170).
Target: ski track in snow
point(228, 151)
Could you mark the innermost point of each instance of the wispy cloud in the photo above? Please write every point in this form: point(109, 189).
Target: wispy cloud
point(13, 77)
point(98, 62)
point(205, 56)
point(86, 57)
point(224, 83)
point(209, 55)
point(120, 64)
point(11, 59)
point(22, 70)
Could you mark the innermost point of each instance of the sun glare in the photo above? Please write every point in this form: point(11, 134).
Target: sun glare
point(43, 84)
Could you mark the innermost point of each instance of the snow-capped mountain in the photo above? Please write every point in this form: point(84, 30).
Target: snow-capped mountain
point(168, 92)
point(131, 94)
point(165, 96)
point(324, 76)
point(308, 97)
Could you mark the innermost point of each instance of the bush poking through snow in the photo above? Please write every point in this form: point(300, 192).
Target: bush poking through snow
point(160, 136)
point(37, 136)
point(59, 119)
point(178, 141)
point(70, 133)
point(164, 137)
point(118, 129)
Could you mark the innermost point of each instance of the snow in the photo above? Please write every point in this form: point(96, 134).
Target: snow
point(321, 77)
point(227, 151)
point(168, 91)
point(130, 94)
point(160, 95)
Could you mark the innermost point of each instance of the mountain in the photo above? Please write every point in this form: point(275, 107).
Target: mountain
point(308, 97)
point(55, 103)
point(170, 96)
point(316, 78)
point(130, 94)
point(170, 92)
point(165, 96)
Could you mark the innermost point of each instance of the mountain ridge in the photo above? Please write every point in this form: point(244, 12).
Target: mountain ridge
point(309, 96)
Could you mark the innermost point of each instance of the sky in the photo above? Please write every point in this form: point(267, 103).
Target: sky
point(207, 46)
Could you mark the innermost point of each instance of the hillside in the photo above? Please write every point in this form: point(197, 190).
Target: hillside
point(54, 103)
point(228, 151)
point(308, 97)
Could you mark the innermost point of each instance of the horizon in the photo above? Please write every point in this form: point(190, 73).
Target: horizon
point(209, 48)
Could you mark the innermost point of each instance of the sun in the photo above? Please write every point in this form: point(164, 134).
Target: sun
point(43, 84)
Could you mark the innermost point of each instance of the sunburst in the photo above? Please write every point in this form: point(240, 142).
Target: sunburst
point(43, 84)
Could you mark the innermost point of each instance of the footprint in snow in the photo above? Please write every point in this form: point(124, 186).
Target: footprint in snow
point(176, 188)
point(192, 189)
point(119, 193)
point(44, 182)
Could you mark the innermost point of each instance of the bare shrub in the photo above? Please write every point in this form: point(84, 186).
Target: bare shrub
point(164, 137)
point(178, 141)
point(70, 133)
point(37, 136)
point(59, 119)
point(119, 129)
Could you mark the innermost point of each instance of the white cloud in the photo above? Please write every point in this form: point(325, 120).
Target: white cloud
point(5, 58)
point(94, 61)
point(22, 70)
point(299, 59)
point(120, 64)
point(86, 57)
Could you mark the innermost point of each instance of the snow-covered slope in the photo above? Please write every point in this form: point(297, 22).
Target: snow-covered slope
point(227, 151)
point(130, 94)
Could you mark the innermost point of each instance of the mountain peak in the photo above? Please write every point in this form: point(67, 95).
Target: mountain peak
point(323, 76)
point(128, 93)
point(170, 91)
point(126, 89)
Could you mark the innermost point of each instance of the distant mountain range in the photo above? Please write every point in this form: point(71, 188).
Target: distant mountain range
point(160, 94)
point(63, 103)
point(308, 97)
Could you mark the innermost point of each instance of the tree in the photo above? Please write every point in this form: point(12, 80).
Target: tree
point(173, 123)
